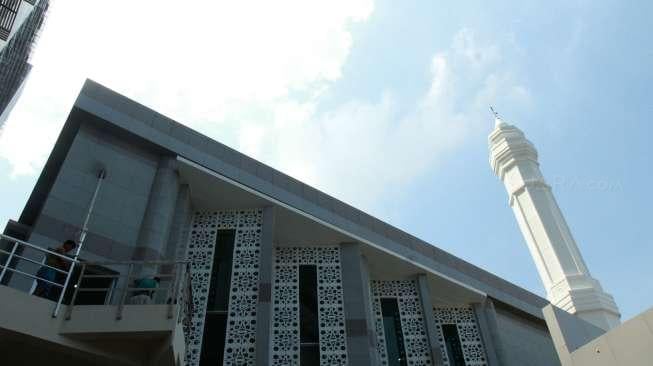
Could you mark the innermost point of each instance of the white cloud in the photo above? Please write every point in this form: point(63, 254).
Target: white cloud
point(230, 70)
point(362, 151)
point(206, 63)
point(478, 56)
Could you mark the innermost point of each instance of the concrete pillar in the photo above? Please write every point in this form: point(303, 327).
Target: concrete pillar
point(359, 321)
point(264, 309)
point(176, 247)
point(429, 320)
point(492, 334)
point(483, 312)
point(155, 228)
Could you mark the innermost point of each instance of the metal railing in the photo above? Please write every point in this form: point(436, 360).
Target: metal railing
point(122, 280)
point(169, 283)
point(30, 261)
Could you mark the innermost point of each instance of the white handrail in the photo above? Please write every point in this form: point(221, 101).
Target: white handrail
point(11, 256)
point(174, 289)
point(179, 275)
point(38, 248)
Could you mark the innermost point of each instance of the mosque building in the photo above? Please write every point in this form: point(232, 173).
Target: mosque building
point(191, 253)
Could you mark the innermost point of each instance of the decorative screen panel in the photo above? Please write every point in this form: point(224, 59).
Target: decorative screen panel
point(285, 297)
point(470, 337)
point(412, 320)
point(240, 344)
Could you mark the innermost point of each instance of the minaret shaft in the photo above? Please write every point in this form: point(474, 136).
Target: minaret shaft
point(559, 262)
point(534, 206)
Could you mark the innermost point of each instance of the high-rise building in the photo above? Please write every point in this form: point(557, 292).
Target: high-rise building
point(191, 253)
point(20, 21)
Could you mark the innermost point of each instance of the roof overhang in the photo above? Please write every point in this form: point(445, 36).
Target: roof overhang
point(212, 191)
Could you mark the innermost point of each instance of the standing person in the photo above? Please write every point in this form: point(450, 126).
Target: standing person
point(43, 288)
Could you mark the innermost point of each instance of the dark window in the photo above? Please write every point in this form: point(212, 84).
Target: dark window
point(215, 325)
point(8, 10)
point(309, 330)
point(452, 343)
point(394, 337)
point(221, 271)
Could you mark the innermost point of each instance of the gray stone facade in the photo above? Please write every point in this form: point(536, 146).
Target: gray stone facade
point(523, 340)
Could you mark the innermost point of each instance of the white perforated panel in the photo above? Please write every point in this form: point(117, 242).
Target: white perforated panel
point(285, 297)
point(240, 343)
point(470, 337)
point(412, 320)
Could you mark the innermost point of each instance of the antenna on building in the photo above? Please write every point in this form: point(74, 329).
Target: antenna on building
point(496, 115)
point(497, 120)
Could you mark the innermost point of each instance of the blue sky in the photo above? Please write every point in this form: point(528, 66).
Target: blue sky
point(383, 104)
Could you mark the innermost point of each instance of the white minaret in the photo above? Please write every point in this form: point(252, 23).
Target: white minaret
point(566, 278)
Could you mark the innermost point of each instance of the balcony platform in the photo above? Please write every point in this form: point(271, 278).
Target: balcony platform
point(29, 335)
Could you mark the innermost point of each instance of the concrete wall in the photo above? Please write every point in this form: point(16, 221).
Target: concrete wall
point(121, 203)
point(629, 344)
point(580, 344)
point(568, 332)
point(523, 341)
point(27, 324)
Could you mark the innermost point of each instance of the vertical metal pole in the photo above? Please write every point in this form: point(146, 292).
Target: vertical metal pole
point(8, 262)
point(71, 269)
point(69, 310)
point(82, 237)
point(123, 295)
point(109, 295)
point(172, 291)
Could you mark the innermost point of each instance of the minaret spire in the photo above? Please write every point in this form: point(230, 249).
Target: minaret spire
point(562, 269)
point(496, 115)
point(497, 120)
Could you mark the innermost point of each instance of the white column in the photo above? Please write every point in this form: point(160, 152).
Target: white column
point(562, 269)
